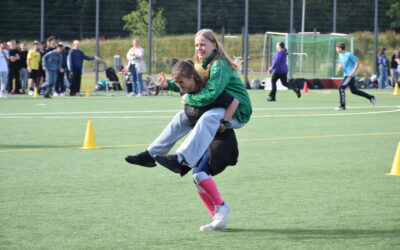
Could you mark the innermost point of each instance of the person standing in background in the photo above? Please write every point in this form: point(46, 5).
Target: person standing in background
point(137, 67)
point(60, 87)
point(383, 64)
point(33, 63)
point(42, 73)
point(13, 72)
point(4, 58)
point(393, 68)
point(23, 71)
point(75, 65)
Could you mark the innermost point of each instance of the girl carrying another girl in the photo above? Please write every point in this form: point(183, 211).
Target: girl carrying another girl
point(222, 152)
point(220, 76)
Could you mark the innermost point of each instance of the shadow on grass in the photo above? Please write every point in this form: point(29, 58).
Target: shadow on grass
point(321, 233)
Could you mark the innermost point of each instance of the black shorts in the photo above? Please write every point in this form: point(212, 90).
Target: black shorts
point(34, 74)
point(42, 73)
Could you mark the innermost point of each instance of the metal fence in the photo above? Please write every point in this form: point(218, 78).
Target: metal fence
point(68, 20)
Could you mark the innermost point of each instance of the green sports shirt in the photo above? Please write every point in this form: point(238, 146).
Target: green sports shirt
point(222, 78)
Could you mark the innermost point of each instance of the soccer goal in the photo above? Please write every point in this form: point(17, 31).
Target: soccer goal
point(310, 55)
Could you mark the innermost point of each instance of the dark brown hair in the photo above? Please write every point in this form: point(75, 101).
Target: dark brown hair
point(341, 45)
point(186, 69)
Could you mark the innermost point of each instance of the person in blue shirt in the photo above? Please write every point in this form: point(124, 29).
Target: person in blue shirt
point(279, 70)
point(52, 64)
point(349, 64)
point(383, 66)
point(75, 64)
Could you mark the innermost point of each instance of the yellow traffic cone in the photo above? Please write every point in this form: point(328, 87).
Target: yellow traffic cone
point(396, 163)
point(87, 92)
point(396, 89)
point(35, 93)
point(90, 141)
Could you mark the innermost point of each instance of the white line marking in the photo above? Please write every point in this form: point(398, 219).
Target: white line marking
point(330, 114)
point(174, 111)
point(93, 112)
point(169, 117)
point(330, 108)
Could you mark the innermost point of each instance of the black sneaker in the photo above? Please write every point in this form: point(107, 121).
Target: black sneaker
point(270, 99)
point(47, 96)
point(373, 101)
point(171, 162)
point(298, 93)
point(142, 159)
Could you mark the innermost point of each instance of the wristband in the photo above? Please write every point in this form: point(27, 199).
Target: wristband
point(226, 123)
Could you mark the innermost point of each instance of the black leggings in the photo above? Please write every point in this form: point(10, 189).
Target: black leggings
point(283, 78)
point(13, 74)
point(349, 81)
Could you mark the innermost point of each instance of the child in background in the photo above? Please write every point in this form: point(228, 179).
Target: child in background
point(33, 63)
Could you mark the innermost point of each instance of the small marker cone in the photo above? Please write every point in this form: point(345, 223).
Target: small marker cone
point(396, 163)
point(396, 89)
point(87, 92)
point(305, 87)
point(35, 93)
point(90, 141)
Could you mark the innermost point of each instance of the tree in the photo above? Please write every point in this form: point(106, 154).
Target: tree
point(137, 21)
point(394, 14)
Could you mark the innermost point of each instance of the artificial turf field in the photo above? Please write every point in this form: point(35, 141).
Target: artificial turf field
point(308, 177)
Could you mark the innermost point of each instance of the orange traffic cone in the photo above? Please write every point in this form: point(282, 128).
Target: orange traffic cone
point(396, 163)
point(305, 87)
point(90, 141)
point(396, 89)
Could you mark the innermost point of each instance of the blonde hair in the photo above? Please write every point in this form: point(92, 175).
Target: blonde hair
point(210, 35)
point(186, 69)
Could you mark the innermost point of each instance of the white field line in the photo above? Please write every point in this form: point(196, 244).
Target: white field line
point(174, 111)
point(340, 113)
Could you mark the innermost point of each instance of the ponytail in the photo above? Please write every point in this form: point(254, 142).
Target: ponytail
point(282, 45)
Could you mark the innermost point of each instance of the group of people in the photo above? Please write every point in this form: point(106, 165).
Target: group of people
point(49, 66)
point(384, 66)
point(216, 102)
point(214, 98)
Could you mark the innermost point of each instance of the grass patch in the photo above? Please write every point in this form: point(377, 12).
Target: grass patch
point(306, 178)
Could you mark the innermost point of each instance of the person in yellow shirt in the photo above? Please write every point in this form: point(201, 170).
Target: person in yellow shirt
point(33, 62)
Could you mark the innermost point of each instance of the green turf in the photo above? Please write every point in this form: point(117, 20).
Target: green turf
point(306, 178)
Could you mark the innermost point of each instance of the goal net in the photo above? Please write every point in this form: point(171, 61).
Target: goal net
point(310, 55)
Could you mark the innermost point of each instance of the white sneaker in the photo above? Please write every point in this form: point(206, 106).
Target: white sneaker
point(56, 94)
point(210, 227)
point(340, 108)
point(139, 95)
point(220, 219)
point(31, 92)
point(62, 94)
